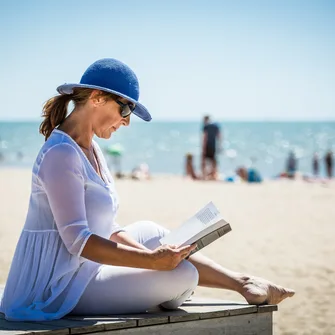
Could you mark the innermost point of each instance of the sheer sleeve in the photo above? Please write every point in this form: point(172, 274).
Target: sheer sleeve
point(116, 228)
point(62, 175)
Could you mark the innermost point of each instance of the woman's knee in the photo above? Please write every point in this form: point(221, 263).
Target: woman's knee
point(188, 275)
point(147, 233)
point(185, 280)
point(155, 227)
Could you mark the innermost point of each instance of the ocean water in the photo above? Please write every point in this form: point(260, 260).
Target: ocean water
point(163, 145)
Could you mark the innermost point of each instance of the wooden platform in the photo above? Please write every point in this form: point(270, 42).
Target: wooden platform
point(198, 316)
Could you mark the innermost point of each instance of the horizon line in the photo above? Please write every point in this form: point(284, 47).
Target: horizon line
point(33, 120)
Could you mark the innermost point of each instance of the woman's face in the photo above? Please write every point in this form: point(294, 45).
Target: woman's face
point(107, 117)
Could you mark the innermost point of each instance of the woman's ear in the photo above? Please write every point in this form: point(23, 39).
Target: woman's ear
point(96, 98)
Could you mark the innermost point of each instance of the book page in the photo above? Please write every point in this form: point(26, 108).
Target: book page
point(201, 224)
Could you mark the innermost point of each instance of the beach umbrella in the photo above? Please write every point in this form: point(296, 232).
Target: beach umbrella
point(115, 150)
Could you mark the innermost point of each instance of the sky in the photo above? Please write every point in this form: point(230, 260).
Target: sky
point(235, 60)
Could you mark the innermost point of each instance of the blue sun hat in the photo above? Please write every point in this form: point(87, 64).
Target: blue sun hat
point(111, 75)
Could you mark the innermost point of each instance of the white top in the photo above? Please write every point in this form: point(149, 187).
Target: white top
point(69, 202)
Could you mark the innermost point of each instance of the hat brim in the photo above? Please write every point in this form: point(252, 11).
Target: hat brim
point(139, 110)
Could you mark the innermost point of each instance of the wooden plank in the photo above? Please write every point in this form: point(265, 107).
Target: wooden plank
point(149, 318)
point(214, 308)
point(65, 323)
point(183, 317)
point(76, 327)
point(253, 324)
point(152, 320)
point(30, 327)
point(19, 327)
point(14, 332)
point(204, 301)
point(267, 308)
point(101, 323)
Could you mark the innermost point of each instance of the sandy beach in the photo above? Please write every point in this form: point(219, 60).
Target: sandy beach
point(281, 230)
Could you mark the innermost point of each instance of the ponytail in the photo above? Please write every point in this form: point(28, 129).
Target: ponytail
point(55, 109)
point(54, 113)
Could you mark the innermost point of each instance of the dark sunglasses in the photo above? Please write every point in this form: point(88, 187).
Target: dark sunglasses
point(126, 109)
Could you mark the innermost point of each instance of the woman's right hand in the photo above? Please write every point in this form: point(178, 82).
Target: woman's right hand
point(167, 257)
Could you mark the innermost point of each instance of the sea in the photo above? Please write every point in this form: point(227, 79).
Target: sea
point(163, 145)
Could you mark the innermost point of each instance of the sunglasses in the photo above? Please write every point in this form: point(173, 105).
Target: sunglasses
point(126, 109)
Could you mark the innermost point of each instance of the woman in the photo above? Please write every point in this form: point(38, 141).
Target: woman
point(72, 256)
point(189, 167)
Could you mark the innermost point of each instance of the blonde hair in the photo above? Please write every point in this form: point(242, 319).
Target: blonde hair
point(55, 110)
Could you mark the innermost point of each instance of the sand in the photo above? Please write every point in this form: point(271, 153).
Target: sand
point(282, 230)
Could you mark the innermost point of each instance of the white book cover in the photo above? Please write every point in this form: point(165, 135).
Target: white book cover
point(204, 227)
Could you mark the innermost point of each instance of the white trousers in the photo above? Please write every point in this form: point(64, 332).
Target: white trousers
point(121, 290)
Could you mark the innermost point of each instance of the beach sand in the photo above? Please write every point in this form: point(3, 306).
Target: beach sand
point(281, 230)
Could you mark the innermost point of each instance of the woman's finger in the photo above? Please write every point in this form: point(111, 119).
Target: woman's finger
point(188, 248)
point(186, 255)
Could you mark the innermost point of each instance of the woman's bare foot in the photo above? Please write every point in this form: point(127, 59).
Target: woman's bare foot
point(259, 291)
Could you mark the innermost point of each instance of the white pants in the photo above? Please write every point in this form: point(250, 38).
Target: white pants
point(121, 290)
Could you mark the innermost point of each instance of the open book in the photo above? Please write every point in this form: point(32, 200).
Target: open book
point(203, 228)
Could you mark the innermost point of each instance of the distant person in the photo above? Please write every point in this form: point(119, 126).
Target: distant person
point(2, 156)
point(189, 167)
point(329, 162)
point(141, 172)
point(315, 165)
point(19, 155)
point(291, 166)
point(211, 145)
point(250, 175)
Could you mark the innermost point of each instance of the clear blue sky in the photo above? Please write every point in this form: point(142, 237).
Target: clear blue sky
point(240, 60)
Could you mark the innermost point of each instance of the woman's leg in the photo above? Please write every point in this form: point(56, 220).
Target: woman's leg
point(255, 290)
point(121, 290)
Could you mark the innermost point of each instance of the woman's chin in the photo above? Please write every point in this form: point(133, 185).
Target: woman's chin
point(106, 134)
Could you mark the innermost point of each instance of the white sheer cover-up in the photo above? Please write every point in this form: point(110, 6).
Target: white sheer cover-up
point(69, 202)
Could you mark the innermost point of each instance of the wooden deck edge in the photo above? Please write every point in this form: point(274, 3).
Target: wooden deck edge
point(199, 309)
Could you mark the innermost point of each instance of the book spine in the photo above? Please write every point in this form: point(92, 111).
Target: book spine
point(211, 237)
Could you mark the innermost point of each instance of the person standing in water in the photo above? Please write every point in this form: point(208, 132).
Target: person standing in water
point(211, 145)
point(329, 162)
point(315, 165)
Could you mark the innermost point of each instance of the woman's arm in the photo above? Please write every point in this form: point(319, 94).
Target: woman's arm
point(124, 238)
point(108, 252)
point(101, 250)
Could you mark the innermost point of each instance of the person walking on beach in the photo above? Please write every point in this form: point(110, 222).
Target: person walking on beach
point(315, 165)
point(329, 163)
point(72, 256)
point(211, 146)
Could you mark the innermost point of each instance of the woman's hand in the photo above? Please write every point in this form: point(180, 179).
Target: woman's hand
point(167, 257)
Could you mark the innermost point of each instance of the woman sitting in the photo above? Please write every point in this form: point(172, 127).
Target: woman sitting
point(72, 256)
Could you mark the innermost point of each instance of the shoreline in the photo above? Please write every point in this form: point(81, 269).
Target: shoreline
point(159, 175)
